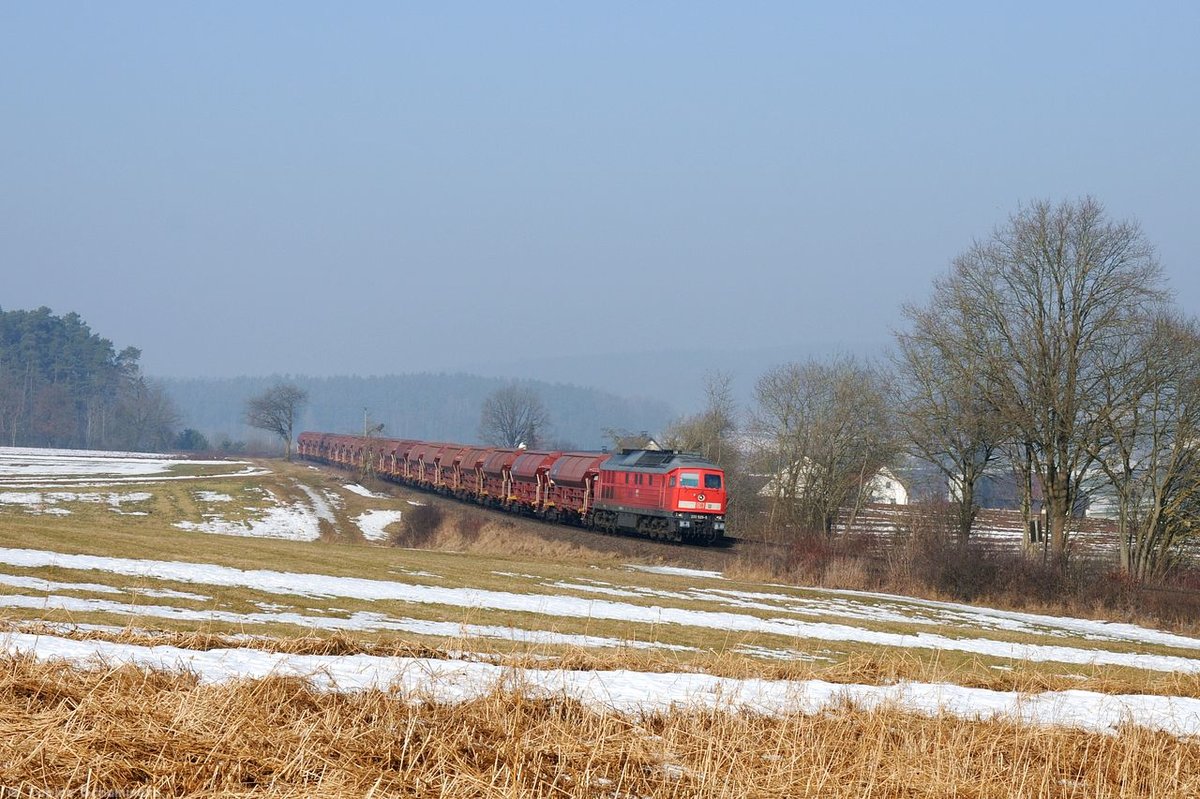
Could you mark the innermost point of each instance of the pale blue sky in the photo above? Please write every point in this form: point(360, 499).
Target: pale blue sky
point(385, 187)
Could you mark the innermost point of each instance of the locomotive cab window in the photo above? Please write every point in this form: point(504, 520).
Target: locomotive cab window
point(671, 484)
point(712, 481)
point(689, 480)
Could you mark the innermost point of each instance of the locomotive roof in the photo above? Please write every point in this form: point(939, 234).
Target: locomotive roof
point(656, 460)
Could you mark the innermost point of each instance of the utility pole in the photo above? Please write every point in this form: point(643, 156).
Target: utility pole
point(367, 467)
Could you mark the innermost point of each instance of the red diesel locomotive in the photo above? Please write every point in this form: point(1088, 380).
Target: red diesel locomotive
point(666, 495)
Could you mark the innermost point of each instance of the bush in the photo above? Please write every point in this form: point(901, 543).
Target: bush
point(417, 527)
point(842, 561)
point(977, 571)
point(470, 525)
point(924, 558)
point(192, 440)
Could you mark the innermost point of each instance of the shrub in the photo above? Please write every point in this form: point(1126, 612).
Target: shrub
point(470, 525)
point(418, 526)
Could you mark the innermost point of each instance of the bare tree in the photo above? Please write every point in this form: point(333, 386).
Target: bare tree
point(1150, 453)
point(711, 431)
point(1052, 294)
point(145, 416)
point(830, 432)
point(513, 416)
point(275, 411)
point(944, 409)
point(12, 406)
point(54, 418)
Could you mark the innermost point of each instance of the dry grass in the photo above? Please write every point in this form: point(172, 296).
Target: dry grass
point(129, 733)
point(1101, 595)
point(484, 533)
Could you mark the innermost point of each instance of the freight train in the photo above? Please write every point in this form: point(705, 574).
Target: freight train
point(660, 494)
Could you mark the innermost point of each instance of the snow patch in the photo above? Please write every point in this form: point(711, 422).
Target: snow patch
point(38, 584)
point(48, 502)
point(373, 523)
point(361, 621)
point(319, 503)
point(168, 593)
point(676, 571)
point(355, 488)
point(293, 522)
point(415, 573)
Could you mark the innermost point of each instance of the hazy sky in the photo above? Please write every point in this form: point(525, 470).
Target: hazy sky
point(245, 188)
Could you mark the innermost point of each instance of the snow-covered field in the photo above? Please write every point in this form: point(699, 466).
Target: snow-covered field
point(42, 468)
point(49, 482)
point(648, 608)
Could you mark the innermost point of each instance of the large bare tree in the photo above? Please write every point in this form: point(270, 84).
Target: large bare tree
point(713, 433)
point(275, 411)
point(942, 402)
point(145, 417)
point(513, 416)
point(1150, 453)
point(1054, 295)
point(829, 430)
point(709, 432)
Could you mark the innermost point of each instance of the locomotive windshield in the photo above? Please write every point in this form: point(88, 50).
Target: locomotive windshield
point(690, 479)
point(712, 481)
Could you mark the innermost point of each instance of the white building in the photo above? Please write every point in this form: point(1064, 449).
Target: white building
point(883, 487)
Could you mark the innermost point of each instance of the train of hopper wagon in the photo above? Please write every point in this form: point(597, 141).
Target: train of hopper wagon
point(661, 494)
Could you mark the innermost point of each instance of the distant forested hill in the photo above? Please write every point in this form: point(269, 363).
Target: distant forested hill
point(426, 406)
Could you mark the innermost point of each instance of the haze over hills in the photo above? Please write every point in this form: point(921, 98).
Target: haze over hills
point(673, 376)
point(426, 406)
point(585, 396)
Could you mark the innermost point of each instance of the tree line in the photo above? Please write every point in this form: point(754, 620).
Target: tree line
point(427, 406)
point(63, 385)
point(1050, 350)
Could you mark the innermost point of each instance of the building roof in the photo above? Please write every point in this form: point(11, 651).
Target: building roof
point(656, 460)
